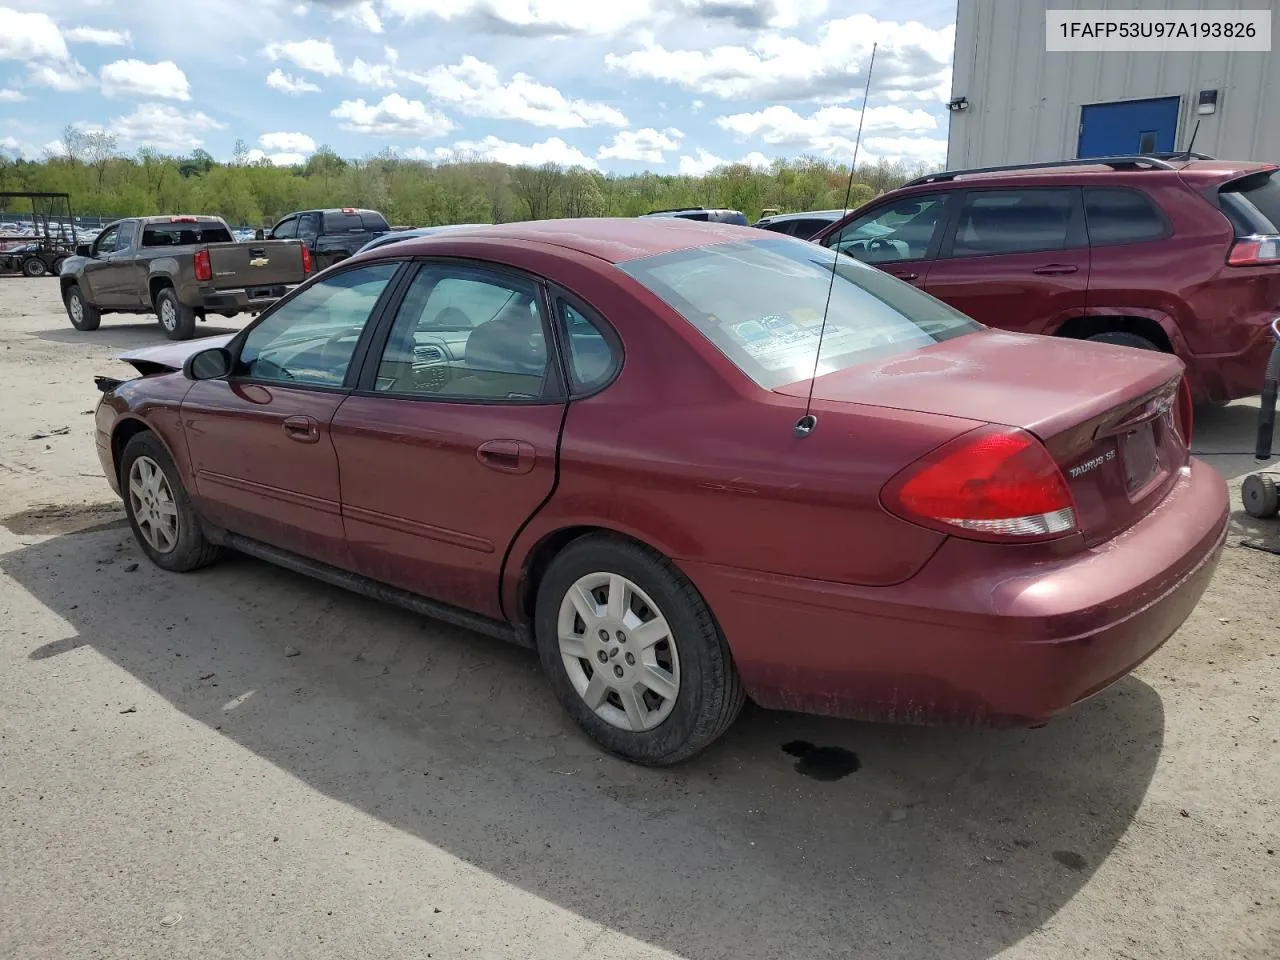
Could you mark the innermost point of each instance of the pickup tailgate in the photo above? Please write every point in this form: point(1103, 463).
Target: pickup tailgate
point(256, 263)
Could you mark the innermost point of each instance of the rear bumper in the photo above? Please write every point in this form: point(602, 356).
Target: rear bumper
point(250, 300)
point(1220, 378)
point(981, 635)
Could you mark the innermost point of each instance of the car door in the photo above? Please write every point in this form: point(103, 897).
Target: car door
point(900, 236)
point(1015, 258)
point(449, 445)
point(123, 276)
point(97, 271)
point(259, 441)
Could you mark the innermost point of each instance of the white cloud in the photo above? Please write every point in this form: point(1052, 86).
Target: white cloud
point(318, 56)
point(393, 115)
point(277, 79)
point(704, 161)
point(908, 149)
point(11, 96)
point(10, 147)
point(66, 77)
point(491, 148)
point(276, 159)
point(755, 14)
point(361, 15)
point(164, 127)
point(378, 75)
point(476, 89)
point(912, 61)
point(783, 126)
point(288, 142)
point(134, 78)
point(645, 145)
point(103, 38)
point(30, 36)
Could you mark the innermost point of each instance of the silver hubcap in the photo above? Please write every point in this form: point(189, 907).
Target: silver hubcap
point(152, 505)
point(168, 316)
point(619, 652)
point(77, 309)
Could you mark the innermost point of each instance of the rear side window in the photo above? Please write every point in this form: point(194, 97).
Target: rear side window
point(1120, 216)
point(1013, 221)
point(183, 234)
point(373, 221)
point(343, 223)
point(592, 357)
point(1252, 203)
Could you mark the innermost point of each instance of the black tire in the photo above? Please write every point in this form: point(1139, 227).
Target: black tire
point(1123, 338)
point(34, 267)
point(177, 321)
point(710, 694)
point(191, 550)
point(90, 316)
point(57, 266)
point(1261, 496)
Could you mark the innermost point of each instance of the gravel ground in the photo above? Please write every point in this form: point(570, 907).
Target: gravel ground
point(244, 763)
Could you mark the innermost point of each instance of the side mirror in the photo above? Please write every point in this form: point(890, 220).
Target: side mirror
point(258, 234)
point(212, 364)
point(84, 250)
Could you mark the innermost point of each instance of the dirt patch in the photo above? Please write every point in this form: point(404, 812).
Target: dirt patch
point(53, 519)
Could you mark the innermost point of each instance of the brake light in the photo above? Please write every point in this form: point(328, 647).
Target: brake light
point(993, 483)
point(348, 209)
point(183, 220)
point(1253, 251)
point(204, 270)
point(1185, 411)
point(306, 259)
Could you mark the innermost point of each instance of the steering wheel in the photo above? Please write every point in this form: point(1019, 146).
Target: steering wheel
point(876, 244)
point(328, 359)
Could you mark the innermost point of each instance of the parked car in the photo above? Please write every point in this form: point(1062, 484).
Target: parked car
point(331, 235)
point(802, 225)
point(702, 214)
point(584, 435)
point(1179, 256)
point(180, 268)
point(413, 233)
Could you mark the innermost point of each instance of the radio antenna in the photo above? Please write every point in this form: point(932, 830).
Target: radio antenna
point(804, 426)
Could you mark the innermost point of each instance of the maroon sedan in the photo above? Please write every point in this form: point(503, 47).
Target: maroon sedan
point(593, 437)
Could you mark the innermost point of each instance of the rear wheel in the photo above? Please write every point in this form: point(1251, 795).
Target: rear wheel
point(34, 267)
point(164, 522)
point(1123, 338)
point(177, 321)
point(633, 653)
point(84, 316)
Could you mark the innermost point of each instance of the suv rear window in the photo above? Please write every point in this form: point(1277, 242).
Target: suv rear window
point(354, 222)
point(1120, 216)
point(761, 303)
point(1252, 203)
point(183, 234)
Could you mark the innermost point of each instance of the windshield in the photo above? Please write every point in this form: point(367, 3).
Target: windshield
point(761, 302)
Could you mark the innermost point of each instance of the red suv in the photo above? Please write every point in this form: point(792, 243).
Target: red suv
point(1173, 253)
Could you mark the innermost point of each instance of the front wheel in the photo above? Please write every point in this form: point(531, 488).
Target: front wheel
point(1123, 338)
point(83, 315)
point(633, 653)
point(176, 320)
point(164, 522)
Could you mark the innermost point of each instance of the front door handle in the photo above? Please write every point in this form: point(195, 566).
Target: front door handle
point(507, 456)
point(907, 276)
point(302, 429)
point(1054, 269)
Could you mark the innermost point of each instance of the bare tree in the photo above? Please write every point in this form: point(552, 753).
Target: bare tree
point(73, 143)
point(100, 150)
point(240, 152)
point(537, 187)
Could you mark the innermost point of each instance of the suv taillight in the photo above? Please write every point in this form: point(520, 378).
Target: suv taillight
point(1255, 250)
point(204, 270)
point(993, 483)
point(306, 259)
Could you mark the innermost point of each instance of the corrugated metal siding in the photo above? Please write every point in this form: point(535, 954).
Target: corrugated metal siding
point(1024, 102)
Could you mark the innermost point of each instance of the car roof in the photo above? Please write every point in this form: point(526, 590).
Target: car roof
point(613, 239)
point(804, 215)
point(1097, 172)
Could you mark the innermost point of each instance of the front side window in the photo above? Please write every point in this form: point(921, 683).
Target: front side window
point(761, 303)
point(464, 333)
point(309, 340)
point(124, 236)
point(106, 242)
point(901, 230)
point(1013, 221)
point(286, 229)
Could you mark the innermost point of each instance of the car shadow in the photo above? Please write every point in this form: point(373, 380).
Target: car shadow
point(126, 335)
point(907, 842)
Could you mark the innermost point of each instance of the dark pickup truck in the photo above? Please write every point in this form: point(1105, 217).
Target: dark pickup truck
point(331, 235)
point(179, 268)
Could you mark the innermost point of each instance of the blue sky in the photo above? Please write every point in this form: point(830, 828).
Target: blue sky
point(617, 85)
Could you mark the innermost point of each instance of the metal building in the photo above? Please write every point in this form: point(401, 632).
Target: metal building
point(1014, 102)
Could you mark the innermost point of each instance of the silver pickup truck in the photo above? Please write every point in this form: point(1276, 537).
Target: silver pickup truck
point(180, 268)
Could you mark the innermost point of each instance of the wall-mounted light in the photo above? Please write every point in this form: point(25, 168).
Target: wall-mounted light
point(1208, 103)
point(958, 104)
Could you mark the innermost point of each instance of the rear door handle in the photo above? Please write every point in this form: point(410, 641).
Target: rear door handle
point(1053, 269)
point(302, 429)
point(507, 456)
point(907, 276)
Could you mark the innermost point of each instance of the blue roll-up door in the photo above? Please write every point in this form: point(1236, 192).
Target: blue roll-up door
point(1127, 127)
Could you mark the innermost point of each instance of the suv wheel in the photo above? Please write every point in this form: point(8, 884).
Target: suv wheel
point(1125, 339)
point(177, 321)
point(83, 315)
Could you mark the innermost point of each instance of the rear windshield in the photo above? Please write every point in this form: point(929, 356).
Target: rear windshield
point(1252, 203)
point(354, 222)
point(761, 303)
point(183, 234)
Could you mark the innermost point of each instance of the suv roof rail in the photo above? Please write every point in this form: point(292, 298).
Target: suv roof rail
point(675, 210)
point(1154, 161)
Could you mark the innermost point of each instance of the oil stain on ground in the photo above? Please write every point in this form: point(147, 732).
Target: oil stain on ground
point(822, 763)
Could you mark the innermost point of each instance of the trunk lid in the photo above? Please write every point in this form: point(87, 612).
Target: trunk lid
point(1107, 414)
point(256, 264)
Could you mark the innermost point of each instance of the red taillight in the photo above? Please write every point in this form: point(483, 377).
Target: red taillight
point(348, 209)
point(306, 259)
point(1254, 251)
point(994, 483)
point(204, 271)
point(1186, 413)
point(183, 220)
